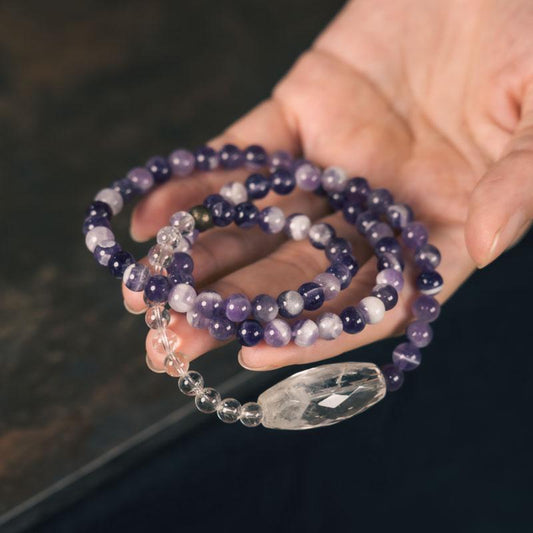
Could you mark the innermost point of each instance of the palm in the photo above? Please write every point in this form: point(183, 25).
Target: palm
point(397, 93)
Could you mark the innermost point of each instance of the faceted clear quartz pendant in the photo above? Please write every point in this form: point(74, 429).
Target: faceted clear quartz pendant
point(322, 396)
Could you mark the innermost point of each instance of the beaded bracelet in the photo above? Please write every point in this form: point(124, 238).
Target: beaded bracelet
point(316, 397)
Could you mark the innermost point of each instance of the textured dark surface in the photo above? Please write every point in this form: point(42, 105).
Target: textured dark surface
point(88, 91)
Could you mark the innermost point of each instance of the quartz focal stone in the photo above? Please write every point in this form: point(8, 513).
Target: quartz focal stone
point(322, 396)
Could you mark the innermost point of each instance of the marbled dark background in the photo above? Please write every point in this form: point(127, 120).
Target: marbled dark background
point(88, 90)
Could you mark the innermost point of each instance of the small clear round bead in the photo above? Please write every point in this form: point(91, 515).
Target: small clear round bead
point(160, 255)
point(191, 383)
point(229, 410)
point(251, 414)
point(157, 317)
point(207, 400)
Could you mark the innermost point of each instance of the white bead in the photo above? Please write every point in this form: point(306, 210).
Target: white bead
point(329, 326)
point(334, 179)
point(234, 192)
point(298, 227)
point(112, 198)
point(373, 309)
point(181, 297)
point(98, 235)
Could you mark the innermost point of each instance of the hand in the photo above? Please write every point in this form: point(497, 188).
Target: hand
point(432, 100)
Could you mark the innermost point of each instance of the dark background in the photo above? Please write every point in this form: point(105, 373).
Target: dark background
point(91, 441)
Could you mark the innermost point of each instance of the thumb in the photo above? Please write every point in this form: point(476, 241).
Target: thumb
point(501, 205)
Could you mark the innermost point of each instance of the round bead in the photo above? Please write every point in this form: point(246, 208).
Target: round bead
point(290, 303)
point(388, 260)
point(181, 262)
point(230, 156)
point(426, 308)
point(181, 297)
point(264, 308)
point(176, 365)
point(393, 377)
point(341, 272)
point(399, 215)
point(157, 289)
point(312, 294)
point(357, 190)
point(208, 303)
point(427, 257)
point(279, 159)
point(307, 176)
point(321, 234)
point(336, 200)
point(372, 309)
point(338, 247)
point(271, 220)
point(379, 200)
point(365, 221)
point(277, 333)
point(165, 342)
point(419, 333)
point(350, 262)
point(136, 277)
point(94, 222)
point(124, 188)
point(246, 215)
point(429, 282)
point(119, 262)
point(257, 186)
point(112, 198)
point(237, 307)
point(168, 236)
point(181, 162)
point(97, 236)
point(391, 277)
point(255, 156)
point(207, 400)
point(197, 320)
point(183, 222)
point(99, 209)
point(141, 179)
point(159, 167)
point(330, 283)
point(249, 332)
point(352, 320)
point(297, 226)
point(283, 181)
point(160, 255)
point(221, 328)
point(157, 317)
point(222, 212)
point(251, 414)
point(229, 410)
point(329, 326)
point(350, 212)
point(205, 158)
point(191, 383)
point(334, 179)
point(387, 294)
point(378, 231)
point(305, 332)
point(105, 250)
point(406, 356)
point(202, 217)
point(388, 245)
point(234, 192)
point(414, 235)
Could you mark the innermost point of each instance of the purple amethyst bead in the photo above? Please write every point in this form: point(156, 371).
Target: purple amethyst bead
point(352, 320)
point(159, 167)
point(357, 190)
point(222, 212)
point(365, 221)
point(393, 377)
point(264, 308)
point(282, 181)
point(176, 278)
point(100, 209)
point(119, 262)
point(136, 277)
point(379, 200)
point(181, 262)
point(338, 247)
point(426, 308)
point(290, 304)
point(388, 245)
point(349, 261)
point(280, 159)
point(388, 260)
point(414, 235)
point(230, 156)
point(430, 282)
point(342, 272)
point(221, 328)
point(250, 332)
point(277, 333)
point(237, 307)
point(105, 250)
point(387, 294)
point(93, 222)
point(307, 176)
point(427, 257)
point(419, 333)
point(391, 277)
point(125, 188)
point(205, 158)
point(197, 320)
point(336, 200)
point(321, 234)
point(406, 356)
point(378, 231)
point(246, 215)
point(181, 162)
point(255, 156)
point(208, 303)
point(313, 295)
point(305, 332)
point(157, 289)
point(271, 220)
point(257, 186)
point(399, 215)
point(350, 212)
point(141, 179)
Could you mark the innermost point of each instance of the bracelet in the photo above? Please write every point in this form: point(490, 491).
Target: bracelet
point(315, 397)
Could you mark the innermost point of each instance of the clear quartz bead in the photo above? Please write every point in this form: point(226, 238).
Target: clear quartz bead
point(176, 365)
point(229, 410)
point(169, 236)
point(165, 342)
point(251, 414)
point(322, 396)
point(157, 317)
point(160, 255)
point(191, 383)
point(183, 221)
point(207, 400)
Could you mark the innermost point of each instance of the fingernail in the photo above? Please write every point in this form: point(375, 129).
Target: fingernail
point(505, 236)
point(132, 311)
point(256, 369)
point(135, 237)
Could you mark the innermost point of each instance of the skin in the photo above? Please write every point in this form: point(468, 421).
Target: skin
point(430, 99)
